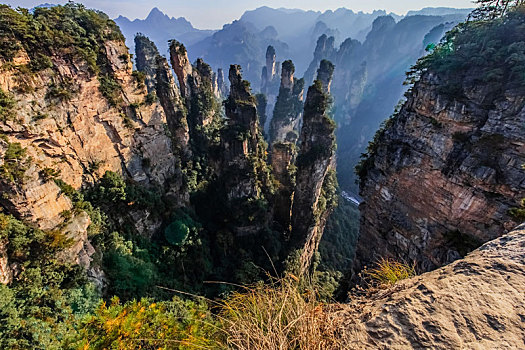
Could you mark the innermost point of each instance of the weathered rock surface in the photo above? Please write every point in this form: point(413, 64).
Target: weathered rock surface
point(221, 84)
point(6, 274)
point(444, 175)
point(81, 250)
point(199, 89)
point(161, 84)
point(182, 67)
point(474, 303)
point(270, 80)
point(269, 71)
point(282, 160)
point(79, 135)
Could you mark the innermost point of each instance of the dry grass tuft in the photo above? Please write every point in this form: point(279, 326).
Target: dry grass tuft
point(389, 272)
point(280, 315)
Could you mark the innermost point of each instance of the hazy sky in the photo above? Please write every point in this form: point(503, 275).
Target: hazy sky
point(212, 14)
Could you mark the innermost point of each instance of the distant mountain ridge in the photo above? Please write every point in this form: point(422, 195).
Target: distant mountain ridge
point(160, 28)
point(298, 29)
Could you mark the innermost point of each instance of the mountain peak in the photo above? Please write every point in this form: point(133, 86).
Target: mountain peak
point(155, 13)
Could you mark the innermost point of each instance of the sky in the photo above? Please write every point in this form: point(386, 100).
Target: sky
point(212, 14)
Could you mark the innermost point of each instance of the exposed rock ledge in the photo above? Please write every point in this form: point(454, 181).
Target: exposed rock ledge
point(474, 303)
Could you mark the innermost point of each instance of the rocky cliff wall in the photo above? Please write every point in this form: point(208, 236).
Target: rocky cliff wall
point(444, 174)
point(72, 121)
point(286, 118)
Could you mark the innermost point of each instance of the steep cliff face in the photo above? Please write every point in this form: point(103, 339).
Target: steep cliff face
point(286, 118)
point(324, 49)
point(269, 71)
point(282, 159)
point(442, 175)
point(199, 89)
point(312, 200)
point(270, 80)
point(473, 303)
point(221, 84)
point(72, 120)
point(160, 83)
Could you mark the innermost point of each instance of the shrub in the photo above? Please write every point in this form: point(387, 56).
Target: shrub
point(109, 88)
point(59, 92)
point(150, 98)
point(144, 324)
point(7, 104)
point(40, 116)
point(49, 174)
point(176, 232)
point(15, 163)
point(518, 213)
point(140, 78)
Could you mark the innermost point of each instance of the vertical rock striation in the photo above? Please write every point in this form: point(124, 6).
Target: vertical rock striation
point(242, 135)
point(221, 84)
point(199, 90)
point(324, 49)
point(269, 71)
point(182, 67)
point(444, 173)
point(282, 160)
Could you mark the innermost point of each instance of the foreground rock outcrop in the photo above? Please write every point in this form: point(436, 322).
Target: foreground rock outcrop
point(474, 303)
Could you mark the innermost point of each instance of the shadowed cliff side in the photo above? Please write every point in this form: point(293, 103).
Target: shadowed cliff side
point(443, 173)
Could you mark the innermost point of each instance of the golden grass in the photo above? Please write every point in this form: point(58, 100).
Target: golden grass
point(278, 316)
point(389, 272)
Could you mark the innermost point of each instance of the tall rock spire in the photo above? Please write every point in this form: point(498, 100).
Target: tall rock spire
point(160, 82)
point(315, 181)
point(182, 66)
point(270, 63)
point(284, 125)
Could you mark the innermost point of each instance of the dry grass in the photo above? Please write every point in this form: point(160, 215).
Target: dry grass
point(389, 272)
point(279, 316)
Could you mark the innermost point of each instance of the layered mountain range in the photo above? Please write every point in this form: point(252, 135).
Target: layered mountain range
point(292, 32)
